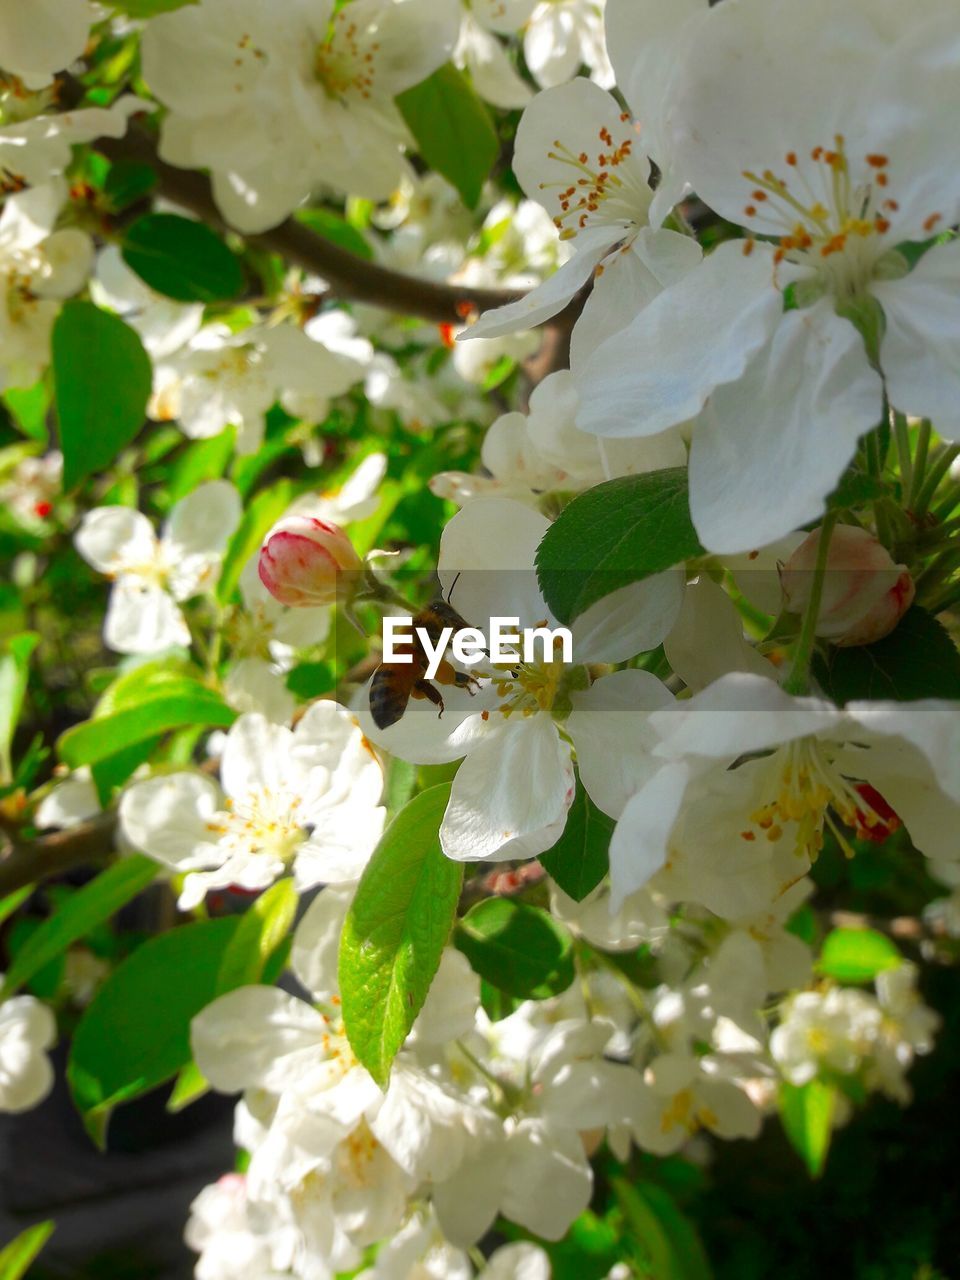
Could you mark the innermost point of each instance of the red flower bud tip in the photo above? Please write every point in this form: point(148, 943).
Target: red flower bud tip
point(864, 593)
point(308, 562)
point(877, 820)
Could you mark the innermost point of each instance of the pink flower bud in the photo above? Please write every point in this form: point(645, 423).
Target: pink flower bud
point(864, 593)
point(308, 562)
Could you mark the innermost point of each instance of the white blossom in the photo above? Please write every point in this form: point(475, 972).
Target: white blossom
point(153, 576)
point(304, 799)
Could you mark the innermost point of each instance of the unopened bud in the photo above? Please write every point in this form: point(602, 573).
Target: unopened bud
point(864, 593)
point(308, 562)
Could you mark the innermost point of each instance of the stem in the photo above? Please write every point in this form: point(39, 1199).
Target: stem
point(799, 678)
point(920, 461)
point(903, 451)
point(949, 503)
point(945, 458)
point(633, 995)
point(348, 276)
point(875, 467)
point(503, 1093)
point(931, 538)
point(938, 571)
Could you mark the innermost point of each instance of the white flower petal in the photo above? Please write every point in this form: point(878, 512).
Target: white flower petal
point(639, 845)
point(257, 757)
point(630, 280)
point(692, 338)
point(491, 544)
point(257, 1036)
point(552, 295)
point(202, 523)
point(316, 941)
point(613, 740)
point(769, 449)
point(142, 618)
point(740, 714)
point(110, 537)
point(920, 351)
point(167, 818)
point(709, 611)
point(632, 620)
point(515, 784)
point(542, 1155)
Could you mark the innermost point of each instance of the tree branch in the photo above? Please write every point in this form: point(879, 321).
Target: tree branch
point(33, 861)
point(348, 276)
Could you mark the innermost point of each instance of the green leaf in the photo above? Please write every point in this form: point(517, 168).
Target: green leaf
point(84, 910)
point(102, 380)
point(855, 489)
point(401, 784)
point(13, 901)
point(154, 678)
point(519, 949)
point(265, 510)
point(453, 130)
point(311, 679)
point(857, 955)
point(17, 1256)
point(148, 8)
point(135, 1033)
point(395, 932)
point(127, 182)
point(97, 739)
point(262, 928)
point(201, 461)
point(667, 1240)
point(14, 673)
point(28, 407)
point(190, 1085)
point(579, 860)
point(182, 259)
point(335, 229)
point(620, 532)
point(806, 1112)
point(917, 660)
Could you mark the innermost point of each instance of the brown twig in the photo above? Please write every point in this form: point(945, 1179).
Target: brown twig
point(33, 861)
point(349, 277)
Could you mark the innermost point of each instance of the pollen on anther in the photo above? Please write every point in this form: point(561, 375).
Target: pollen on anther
point(791, 157)
point(750, 210)
point(931, 222)
point(877, 162)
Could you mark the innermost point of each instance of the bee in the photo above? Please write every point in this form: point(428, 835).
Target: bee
point(395, 683)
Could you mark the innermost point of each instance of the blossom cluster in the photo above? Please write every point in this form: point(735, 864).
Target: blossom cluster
point(734, 490)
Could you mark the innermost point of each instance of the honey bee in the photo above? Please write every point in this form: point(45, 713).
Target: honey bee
point(395, 683)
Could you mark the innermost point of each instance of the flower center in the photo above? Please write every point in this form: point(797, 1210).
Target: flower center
point(809, 788)
point(344, 63)
point(153, 570)
point(606, 186)
point(355, 1158)
point(525, 688)
point(822, 220)
point(684, 1110)
point(17, 103)
point(260, 823)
